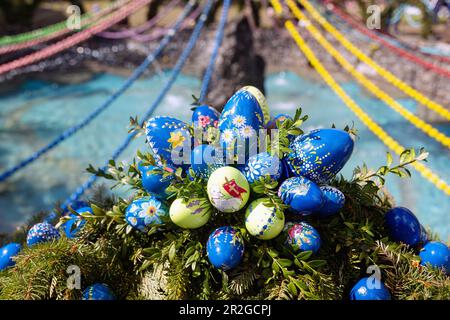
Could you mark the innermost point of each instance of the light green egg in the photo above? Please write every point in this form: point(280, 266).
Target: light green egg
point(228, 189)
point(262, 221)
point(192, 215)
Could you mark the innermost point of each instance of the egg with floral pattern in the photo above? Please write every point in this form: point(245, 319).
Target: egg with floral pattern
point(76, 223)
point(259, 96)
point(436, 254)
point(302, 195)
point(205, 159)
point(191, 215)
point(302, 237)
point(262, 221)
point(205, 116)
point(98, 291)
point(42, 232)
point(370, 289)
point(167, 135)
point(320, 154)
point(228, 189)
point(403, 226)
point(333, 202)
point(7, 253)
point(145, 212)
point(261, 165)
point(225, 248)
point(153, 179)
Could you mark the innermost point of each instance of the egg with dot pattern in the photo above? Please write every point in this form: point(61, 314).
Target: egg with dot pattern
point(262, 221)
point(145, 212)
point(403, 226)
point(333, 202)
point(436, 254)
point(42, 232)
point(225, 248)
point(302, 195)
point(98, 291)
point(369, 289)
point(302, 237)
point(7, 253)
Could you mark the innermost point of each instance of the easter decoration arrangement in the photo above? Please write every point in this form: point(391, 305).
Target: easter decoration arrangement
point(234, 205)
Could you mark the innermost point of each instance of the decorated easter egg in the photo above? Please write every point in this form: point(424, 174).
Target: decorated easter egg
point(279, 117)
point(285, 171)
point(225, 248)
point(302, 237)
point(262, 221)
point(98, 291)
point(259, 96)
point(333, 202)
point(42, 232)
point(403, 226)
point(74, 225)
point(228, 189)
point(167, 135)
point(7, 253)
point(146, 211)
point(205, 159)
point(370, 289)
point(436, 254)
point(190, 215)
point(320, 154)
point(262, 164)
point(153, 180)
point(205, 116)
point(302, 195)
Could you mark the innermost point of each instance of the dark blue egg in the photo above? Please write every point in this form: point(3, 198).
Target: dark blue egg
point(205, 159)
point(423, 234)
point(225, 248)
point(205, 116)
point(403, 226)
point(42, 232)
point(370, 289)
point(153, 180)
point(302, 195)
point(146, 211)
point(320, 154)
point(286, 173)
point(261, 165)
point(8, 252)
point(436, 254)
point(334, 200)
point(98, 291)
point(302, 237)
point(167, 134)
point(76, 223)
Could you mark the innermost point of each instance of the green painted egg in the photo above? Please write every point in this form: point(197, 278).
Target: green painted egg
point(192, 215)
point(262, 221)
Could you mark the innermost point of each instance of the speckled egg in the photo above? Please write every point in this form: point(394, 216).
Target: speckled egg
point(228, 189)
point(146, 211)
point(7, 253)
point(302, 237)
point(76, 223)
point(42, 232)
point(205, 159)
point(333, 202)
point(403, 226)
point(98, 291)
point(259, 96)
point(302, 195)
point(262, 221)
point(260, 165)
point(320, 154)
point(369, 289)
point(167, 134)
point(225, 248)
point(153, 180)
point(190, 215)
point(436, 254)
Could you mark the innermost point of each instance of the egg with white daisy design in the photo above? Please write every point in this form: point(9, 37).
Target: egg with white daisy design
point(333, 202)
point(146, 211)
point(263, 221)
point(302, 195)
point(261, 165)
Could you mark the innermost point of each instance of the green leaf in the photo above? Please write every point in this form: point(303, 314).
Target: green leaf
point(388, 159)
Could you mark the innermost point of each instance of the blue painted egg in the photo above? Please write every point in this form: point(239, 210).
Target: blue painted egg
point(436, 254)
point(225, 248)
point(302, 237)
point(42, 232)
point(320, 154)
point(285, 171)
point(334, 200)
point(370, 289)
point(7, 252)
point(403, 226)
point(98, 291)
point(423, 235)
point(262, 102)
point(205, 116)
point(146, 211)
point(205, 159)
point(262, 164)
point(302, 195)
point(153, 180)
point(167, 134)
point(76, 223)
point(281, 117)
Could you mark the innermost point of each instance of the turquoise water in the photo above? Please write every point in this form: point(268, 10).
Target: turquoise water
point(39, 111)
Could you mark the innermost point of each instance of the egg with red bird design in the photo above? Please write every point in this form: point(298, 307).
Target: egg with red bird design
point(225, 248)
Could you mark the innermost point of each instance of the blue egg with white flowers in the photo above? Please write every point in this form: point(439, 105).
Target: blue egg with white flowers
point(98, 291)
point(42, 232)
point(145, 212)
point(7, 253)
point(76, 222)
point(153, 180)
point(302, 195)
point(302, 237)
point(370, 289)
point(320, 154)
point(334, 201)
point(403, 226)
point(205, 159)
point(225, 248)
point(262, 165)
point(436, 254)
point(167, 136)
